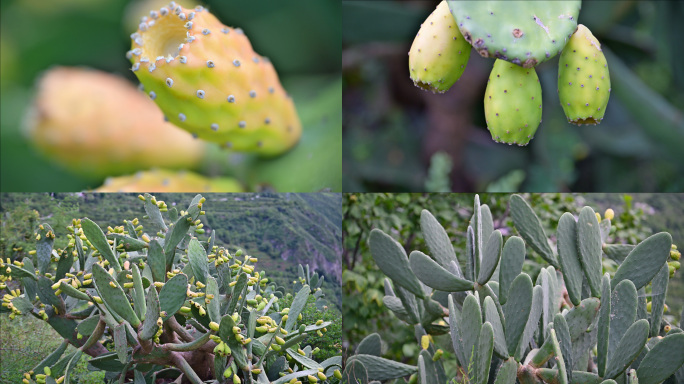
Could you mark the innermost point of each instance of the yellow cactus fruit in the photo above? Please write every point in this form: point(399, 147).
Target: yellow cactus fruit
point(609, 214)
point(97, 124)
point(169, 181)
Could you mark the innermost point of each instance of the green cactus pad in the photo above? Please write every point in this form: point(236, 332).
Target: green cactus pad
point(238, 288)
point(434, 276)
point(513, 103)
point(490, 257)
point(439, 53)
point(662, 360)
point(44, 247)
point(207, 79)
point(73, 292)
point(47, 295)
point(517, 310)
point(511, 265)
point(659, 293)
point(491, 315)
point(529, 226)
point(469, 328)
point(138, 293)
point(563, 335)
point(532, 323)
point(198, 261)
point(370, 345)
point(130, 244)
point(525, 33)
point(617, 252)
point(382, 369)
point(173, 294)
point(437, 240)
point(589, 246)
point(581, 316)
point(114, 296)
point(484, 353)
point(603, 326)
point(156, 261)
point(645, 260)
point(213, 307)
point(628, 349)
point(583, 79)
point(149, 325)
point(298, 304)
point(120, 344)
point(623, 310)
point(391, 258)
point(507, 372)
point(454, 328)
point(568, 256)
point(177, 233)
point(97, 238)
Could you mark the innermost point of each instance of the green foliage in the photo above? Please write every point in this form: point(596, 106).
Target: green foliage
point(214, 311)
point(551, 339)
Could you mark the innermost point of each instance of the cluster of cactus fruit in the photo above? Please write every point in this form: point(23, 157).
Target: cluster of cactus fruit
point(162, 305)
point(519, 35)
point(572, 325)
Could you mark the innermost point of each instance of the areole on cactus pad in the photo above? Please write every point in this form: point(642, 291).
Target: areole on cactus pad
point(208, 80)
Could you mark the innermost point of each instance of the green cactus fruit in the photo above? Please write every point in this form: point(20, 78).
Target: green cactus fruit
point(206, 79)
point(513, 105)
point(525, 33)
point(439, 53)
point(77, 120)
point(583, 79)
point(161, 180)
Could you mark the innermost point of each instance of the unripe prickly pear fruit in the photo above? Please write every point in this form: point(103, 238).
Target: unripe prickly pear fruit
point(439, 53)
point(97, 124)
point(207, 80)
point(513, 105)
point(169, 181)
point(583, 79)
point(610, 214)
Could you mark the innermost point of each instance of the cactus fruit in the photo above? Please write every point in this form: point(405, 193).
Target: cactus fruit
point(583, 79)
point(439, 53)
point(206, 79)
point(525, 33)
point(160, 180)
point(157, 316)
point(98, 124)
point(513, 105)
point(520, 340)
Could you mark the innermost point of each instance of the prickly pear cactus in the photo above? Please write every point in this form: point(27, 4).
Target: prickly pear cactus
point(140, 298)
point(513, 105)
point(162, 180)
point(207, 79)
point(571, 324)
point(98, 125)
point(525, 34)
point(583, 79)
point(439, 53)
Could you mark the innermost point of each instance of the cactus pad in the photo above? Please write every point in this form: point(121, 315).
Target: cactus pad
point(161, 180)
point(513, 104)
point(525, 33)
point(207, 80)
point(583, 79)
point(97, 124)
point(439, 53)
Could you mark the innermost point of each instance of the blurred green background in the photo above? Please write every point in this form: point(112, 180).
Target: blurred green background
point(301, 37)
point(392, 129)
point(637, 217)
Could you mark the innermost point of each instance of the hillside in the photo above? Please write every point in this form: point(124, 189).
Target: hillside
point(282, 230)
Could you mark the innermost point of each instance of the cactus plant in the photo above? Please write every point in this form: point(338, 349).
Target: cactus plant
point(162, 180)
point(206, 79)
point(505, 327)
point(525, 34)
point(77, 119)
point(139, 299)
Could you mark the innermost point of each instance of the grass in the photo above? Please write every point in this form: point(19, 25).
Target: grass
point(25, 342)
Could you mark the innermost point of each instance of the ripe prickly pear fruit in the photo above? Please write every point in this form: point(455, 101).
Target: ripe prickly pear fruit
point(169, 181)
point(583, 79)
point(97, 124)
point(206, 79)
point(513, 105)
point(439, 53)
